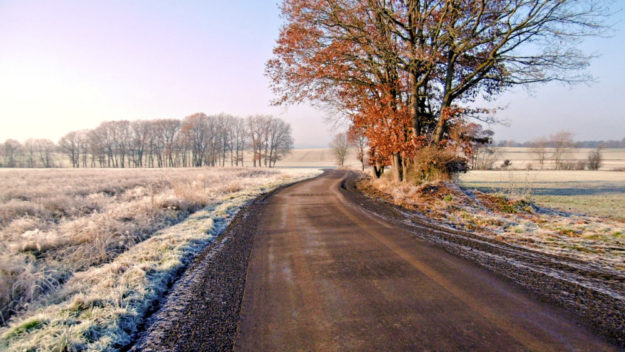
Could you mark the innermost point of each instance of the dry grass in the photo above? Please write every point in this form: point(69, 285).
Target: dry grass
point(317, 157)
point(106, 236)
point(598, 193)
point(513, 217)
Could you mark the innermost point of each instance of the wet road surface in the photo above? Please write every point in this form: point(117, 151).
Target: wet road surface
point(325, 275)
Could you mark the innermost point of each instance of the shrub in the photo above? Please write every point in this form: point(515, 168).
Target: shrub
point(438, 164)
point(595, 159)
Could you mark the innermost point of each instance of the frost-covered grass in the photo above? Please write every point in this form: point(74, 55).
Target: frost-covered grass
point(515, 218)
point(596, 193)
point(82, 275)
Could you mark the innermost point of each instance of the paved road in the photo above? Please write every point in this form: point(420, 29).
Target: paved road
point(326, 276)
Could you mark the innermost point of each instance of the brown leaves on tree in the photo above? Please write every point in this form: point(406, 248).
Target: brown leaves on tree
point(407, 72)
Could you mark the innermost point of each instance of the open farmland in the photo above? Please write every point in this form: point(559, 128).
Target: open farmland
point(524, 158)
point(316, 157)
point(598, 193)
point(85, 253)
point(520, 158)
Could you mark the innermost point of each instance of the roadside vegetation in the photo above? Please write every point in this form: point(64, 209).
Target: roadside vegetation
point(512, 212)
point(85, 253)
point(595, 193)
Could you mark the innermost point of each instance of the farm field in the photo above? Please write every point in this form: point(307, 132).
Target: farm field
point(515, 207)
point(523, 158)
point(85, 252)
point(316, 157)
point(520, 158)
point(597, 193)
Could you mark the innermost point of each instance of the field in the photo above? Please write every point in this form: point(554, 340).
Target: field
point(316, 157)
point(508, 207)
point(523, 158)
point(84, 253)
point(520, 158)
point(597, 193)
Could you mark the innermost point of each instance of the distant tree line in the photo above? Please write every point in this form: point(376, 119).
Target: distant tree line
point(576, 144)
point(195, 141)
point(552, 151)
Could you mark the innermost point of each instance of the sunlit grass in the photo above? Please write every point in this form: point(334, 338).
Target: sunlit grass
point(96, 299)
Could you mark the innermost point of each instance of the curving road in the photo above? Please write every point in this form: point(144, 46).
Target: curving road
point(325, 275)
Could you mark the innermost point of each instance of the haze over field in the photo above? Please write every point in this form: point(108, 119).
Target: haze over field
point(71, 65)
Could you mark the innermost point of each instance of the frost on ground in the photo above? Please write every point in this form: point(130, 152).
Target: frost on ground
point(516, 221)
point(85, 253)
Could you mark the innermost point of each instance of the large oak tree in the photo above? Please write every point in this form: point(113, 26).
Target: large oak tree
point(408, 71)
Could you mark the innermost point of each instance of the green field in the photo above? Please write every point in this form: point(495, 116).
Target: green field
point(598, 193)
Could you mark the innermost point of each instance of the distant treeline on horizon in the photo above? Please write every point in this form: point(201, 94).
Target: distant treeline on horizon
point(551, 144)
point(195, 141)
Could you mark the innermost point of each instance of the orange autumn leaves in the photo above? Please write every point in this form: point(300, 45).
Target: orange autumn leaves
point(407, 73)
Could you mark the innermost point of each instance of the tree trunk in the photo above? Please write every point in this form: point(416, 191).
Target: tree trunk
point(396, 167)
point(378, 170)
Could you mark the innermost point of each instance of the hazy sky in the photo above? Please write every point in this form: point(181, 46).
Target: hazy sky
point(69, 65)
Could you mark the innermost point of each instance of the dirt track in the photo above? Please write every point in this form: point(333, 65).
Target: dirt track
point(325, 275)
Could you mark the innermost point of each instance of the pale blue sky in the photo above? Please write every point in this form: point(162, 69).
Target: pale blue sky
point(67, 65)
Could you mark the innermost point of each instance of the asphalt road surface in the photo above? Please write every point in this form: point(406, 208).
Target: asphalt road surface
point(324, 275)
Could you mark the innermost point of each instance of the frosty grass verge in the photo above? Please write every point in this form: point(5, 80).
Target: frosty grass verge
point(103, 306)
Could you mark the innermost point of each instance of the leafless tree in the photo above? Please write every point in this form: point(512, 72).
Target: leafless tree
point(484, 157)
point(358, 141)
point(539, 148)
point(561, 141)
point(70, 145)
point(279, 140)
point(45, 149)
point(141, 131)
point(256, 126)
point(339, 146)
point(29, 152)
point(195, 130)
point(11, 151)
point(239, 138)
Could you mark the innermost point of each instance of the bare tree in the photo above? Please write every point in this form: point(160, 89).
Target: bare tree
point(484, 157)
point(45, 149)
point(339, 146)
point(11, 152)
point(280, 141)
point(539, 148)
point(29, 152)
point(358, 141)
point(561, 141)
point(70, 145)
point(195, 129)
point(256, 126)
point(240, 138)
point(140, 136)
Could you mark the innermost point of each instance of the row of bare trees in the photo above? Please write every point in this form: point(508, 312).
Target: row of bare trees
point(341, 142)
point(33, 153)
point(557, 147)
point(195, 141)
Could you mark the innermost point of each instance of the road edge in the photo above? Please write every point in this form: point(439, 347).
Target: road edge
point(600, 312)
point(211, 287)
